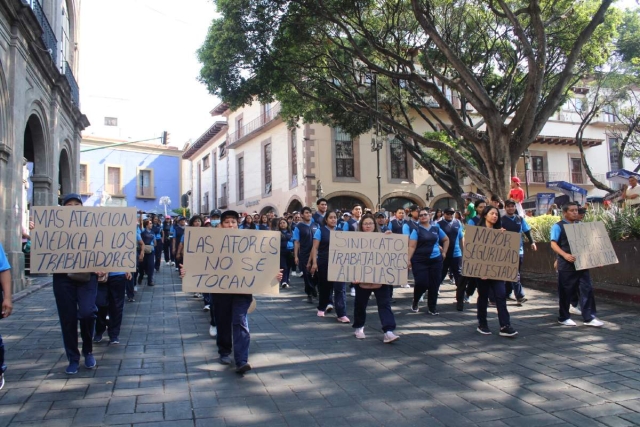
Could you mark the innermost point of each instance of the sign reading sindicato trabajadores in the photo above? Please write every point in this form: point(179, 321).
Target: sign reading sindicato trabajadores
point(83, 239)
point(590, 244)
point(491, 254)
point(231, 261)
point(368, 258)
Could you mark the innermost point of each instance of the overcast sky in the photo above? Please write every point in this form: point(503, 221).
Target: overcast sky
point(138, 64)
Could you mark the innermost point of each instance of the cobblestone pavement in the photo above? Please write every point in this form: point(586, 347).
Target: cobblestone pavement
point(311, 371)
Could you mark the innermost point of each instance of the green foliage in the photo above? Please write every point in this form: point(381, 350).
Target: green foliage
point(623, 225)
point(541, 227)
point(185, 212)
point(628, 43)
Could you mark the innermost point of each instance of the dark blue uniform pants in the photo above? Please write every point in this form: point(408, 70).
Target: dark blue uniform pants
point(383, 299)
point(516, 287)
point(498, 290)
point(453, 264)
point(76, 302)
point(327, 289)
point(427, 276)
point(158, 251)
point(569, 283)
point(110, 301)
point(233, 327)
point(309, 280)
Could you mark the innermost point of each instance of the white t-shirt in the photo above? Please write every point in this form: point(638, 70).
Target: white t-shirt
point(630, 191)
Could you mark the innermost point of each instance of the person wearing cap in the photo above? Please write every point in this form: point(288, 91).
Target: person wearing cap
point(231, 315)
point(167, 235)
point(516, 193)
point(381, 221)
point(511, 221)
point(146, 262)
point(214, 216)
point(318, 216)
point(76, 302)
point(302, 246)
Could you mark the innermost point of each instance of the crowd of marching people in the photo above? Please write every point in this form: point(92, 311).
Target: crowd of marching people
point(436, 243)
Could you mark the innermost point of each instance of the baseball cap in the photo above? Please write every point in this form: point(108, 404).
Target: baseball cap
point(380, 214)
point(215, 212)
point(449, 210)
point(415, 208)
point(232, 214)
point(510, 202)
point(516, 180)
point(346, 214)
point(71, 196)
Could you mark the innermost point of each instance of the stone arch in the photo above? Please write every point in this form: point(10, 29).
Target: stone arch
point(439, 200)
point(65, 168)
point(268, 207)
point(411, 197)
point(36, 151)
point(294, 204)
point(348, 194)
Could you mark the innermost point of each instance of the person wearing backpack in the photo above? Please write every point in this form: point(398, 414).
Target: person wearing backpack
point(514, 222)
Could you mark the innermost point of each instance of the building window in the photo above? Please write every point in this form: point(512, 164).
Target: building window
point(537, 169)
point(344, 154)
point(577, 177)
point(614, 154)
point(223, 150)
point(240, 179)
point(267, 168)
point(206, 163)
point(399, 167)
point(266, 113)
point(294, 157)
point(239, 128)
point(145, 184)
point(111, 121)
point(84, 178)
point(205, 203)
point(114, 183)
point(608, 114)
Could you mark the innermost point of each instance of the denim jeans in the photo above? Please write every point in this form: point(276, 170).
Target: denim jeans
point(516, 287)
point(284, 265)
point(569, 283)
point(387, 319)
point(76, 302)
point(233, 327)
point(497, 286)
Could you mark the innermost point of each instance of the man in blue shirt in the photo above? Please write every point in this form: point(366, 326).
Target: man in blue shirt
point(381, 221)
point(411, 224)
point(302, 245)
point(7, 305)
point(318, 216)
point(514, 222)
point(453, 260)
point(571, 280)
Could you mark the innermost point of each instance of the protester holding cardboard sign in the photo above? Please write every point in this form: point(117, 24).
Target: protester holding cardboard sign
point(76, 301)
point(571, 280)
point(320, 264)
point(383, 296)
point(490, 218)
point(230, 308)
point(426, 261)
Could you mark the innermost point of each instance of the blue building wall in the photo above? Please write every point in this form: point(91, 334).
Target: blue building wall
point(166, 180)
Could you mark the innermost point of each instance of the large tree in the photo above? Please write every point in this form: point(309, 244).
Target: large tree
point(486, 74)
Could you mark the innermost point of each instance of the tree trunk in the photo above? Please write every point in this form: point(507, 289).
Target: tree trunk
point(497, 161)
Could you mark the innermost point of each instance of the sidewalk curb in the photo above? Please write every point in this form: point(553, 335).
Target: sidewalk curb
point(31, 289)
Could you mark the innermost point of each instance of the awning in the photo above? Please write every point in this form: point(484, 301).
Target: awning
point(621, 176)
point(568, 189)
point(473, 196)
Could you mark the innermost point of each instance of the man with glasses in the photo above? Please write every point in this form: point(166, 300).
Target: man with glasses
point(514, 222)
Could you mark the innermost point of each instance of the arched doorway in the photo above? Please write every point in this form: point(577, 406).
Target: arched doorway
point(344, 203)
point(35, 154)
point(294, 206)
point(392, 204)
point(268, 209)
point(445, 202)
point(64, 174)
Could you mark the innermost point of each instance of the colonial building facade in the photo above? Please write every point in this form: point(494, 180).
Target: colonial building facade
point(40, 117)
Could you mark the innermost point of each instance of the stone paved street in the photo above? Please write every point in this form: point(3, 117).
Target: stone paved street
point(311, 371)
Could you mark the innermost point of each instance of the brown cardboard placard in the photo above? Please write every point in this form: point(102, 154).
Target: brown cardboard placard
point(368, 258)
point(492, 254)
point(68, 239)
point(590, 244)
point(231, 261)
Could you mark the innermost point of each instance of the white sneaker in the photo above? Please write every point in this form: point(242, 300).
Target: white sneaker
point(594, 322)
point(360, 333)
point(329, 308)
point(567, 322)
point(353, 292)
point(422, 298)
point(173, 263)
point(206, 308)
point(575, 310)
point(390, 337)
point(213, 331)
point(168, 263)
point(406, 286)
point(135, 288)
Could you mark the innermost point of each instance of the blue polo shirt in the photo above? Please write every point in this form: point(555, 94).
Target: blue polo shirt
point(435, 252)
point(4, 262)
point(524, 227)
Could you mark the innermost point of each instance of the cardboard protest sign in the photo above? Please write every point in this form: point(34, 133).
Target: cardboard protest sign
point(368, 258)
point(83, 239)
point(590, 244)
point(489, 253)
point(231, 261)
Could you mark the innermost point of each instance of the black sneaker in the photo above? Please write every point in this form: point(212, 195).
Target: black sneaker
point(434, 313)
point(131, 300)
point(309, 299)
point(508, 331)
point(140, 279)
point(225, 360)
point(414, 307)
point(243, 368)
point(151, 284)
point(484, 330)
point(460, 306)
point(521, 301)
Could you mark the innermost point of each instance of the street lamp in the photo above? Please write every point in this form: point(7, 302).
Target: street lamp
point(429, 194)
point(527, 159)
point(165, 201)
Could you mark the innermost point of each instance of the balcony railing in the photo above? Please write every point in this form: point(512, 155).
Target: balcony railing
point(75, 90)
point(254, 125)
point(48, 36)
point(542, 177)
point(223, 202)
